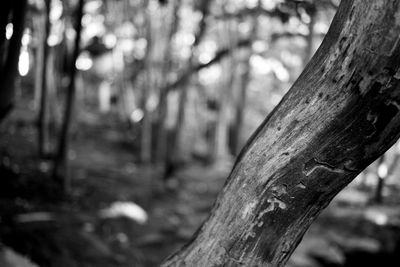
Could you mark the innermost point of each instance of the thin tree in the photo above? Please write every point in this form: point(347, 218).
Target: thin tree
point(162, 134)
point(311, 10)
point(219, 148)
point(381, 175)
point(341, 114)
point(5, 11)
point(9, 63)
point(174, 149)
point(245, 75)
point(147, 129)
point(43, 134)
point(60, 171)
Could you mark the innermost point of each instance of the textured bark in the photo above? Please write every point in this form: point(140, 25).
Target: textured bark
point(339, 116)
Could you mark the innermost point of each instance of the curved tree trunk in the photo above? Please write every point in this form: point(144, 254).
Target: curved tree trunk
point(339, 116)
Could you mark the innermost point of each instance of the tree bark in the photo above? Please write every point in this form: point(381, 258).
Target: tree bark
point(339, 116)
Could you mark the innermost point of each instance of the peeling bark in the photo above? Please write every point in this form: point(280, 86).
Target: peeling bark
point(339, 116)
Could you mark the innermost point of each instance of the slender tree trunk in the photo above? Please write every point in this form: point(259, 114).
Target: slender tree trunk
point(180, 124)
point(10, 66)
point(146, 130)
point(220, 149)
point(340, 115)
point(43, 120)
point(53, 81)
point(162, 134)
point(5, 10)
point(245, 72)
point(61, 160)
point(240, 107)
point(146, 136)
point(173, 150)
point(220, 143)
point(381, 176)
point(311, 10)
point(39, 26)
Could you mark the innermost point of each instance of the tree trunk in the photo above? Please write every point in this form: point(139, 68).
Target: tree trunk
point(60, 171)
point(381, 176)
point(174, 149)
point(244, 72)
point(10, 67)
point(39, 25)
point(5, 10)
point(339, 116)
point(312, 12)
point(162, 134)
point(220, 149)
point(146, 130)
point(43, 120)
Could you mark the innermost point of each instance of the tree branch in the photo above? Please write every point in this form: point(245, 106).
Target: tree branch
point(222, 53)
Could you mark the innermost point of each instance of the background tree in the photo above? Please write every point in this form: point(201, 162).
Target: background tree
point(43, 53)
point(60, 171)
point(9, 67)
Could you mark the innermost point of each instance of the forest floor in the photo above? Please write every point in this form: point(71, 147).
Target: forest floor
point(101, 222)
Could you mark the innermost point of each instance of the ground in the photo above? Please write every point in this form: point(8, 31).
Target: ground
point(80, 228)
